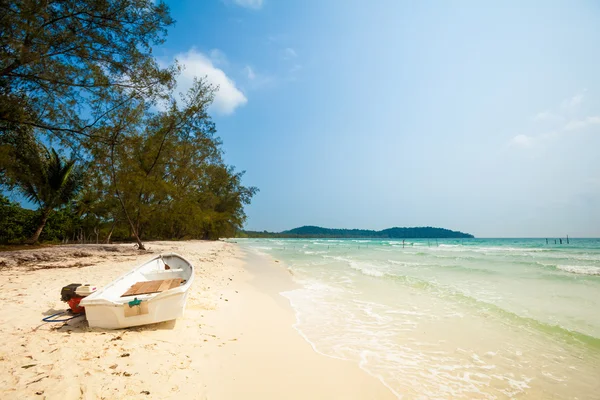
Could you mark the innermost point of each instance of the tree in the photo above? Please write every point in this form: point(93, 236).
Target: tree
point(66, 64)
point(49, 181)
point(222, 193)
point(166, 171)
point(80, 74)
point(138, 159)
point(14, 221)
point(15, 146)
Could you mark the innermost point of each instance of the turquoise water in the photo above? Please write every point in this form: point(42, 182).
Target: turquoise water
point(460, 319)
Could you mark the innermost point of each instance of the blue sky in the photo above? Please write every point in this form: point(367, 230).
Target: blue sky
point(477, 116)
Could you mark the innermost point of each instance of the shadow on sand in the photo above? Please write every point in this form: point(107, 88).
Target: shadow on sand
point(80, 325)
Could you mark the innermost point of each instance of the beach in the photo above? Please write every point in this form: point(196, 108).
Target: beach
point(452, 318)
point(318, 319)
point(236, 340)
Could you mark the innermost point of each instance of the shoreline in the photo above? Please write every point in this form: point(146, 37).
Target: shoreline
point(313, 346)
point(290, 367)
point(236, 340)
point(379, 378)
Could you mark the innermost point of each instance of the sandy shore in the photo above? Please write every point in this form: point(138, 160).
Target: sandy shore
point(235, 341)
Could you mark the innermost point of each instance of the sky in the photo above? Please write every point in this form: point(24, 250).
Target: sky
point(476, 116)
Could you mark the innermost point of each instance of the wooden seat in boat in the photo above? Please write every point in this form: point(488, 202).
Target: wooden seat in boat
point(148, 287)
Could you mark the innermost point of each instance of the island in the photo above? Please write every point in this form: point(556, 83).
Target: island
point(426, 232)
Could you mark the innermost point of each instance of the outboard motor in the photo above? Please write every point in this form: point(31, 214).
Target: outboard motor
point(73, 293)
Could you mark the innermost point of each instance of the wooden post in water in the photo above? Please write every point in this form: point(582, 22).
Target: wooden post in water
point(546, 240)
point(560, 241)
point(567, 239)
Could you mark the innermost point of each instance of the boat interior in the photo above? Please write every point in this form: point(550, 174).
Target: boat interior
point(156, 276)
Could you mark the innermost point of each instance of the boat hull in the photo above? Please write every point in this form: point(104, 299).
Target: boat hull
point(106, 310)
point(115, 317)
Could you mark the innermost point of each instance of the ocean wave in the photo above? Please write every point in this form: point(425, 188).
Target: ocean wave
point(442, 266)
point(379, 270)
point(580, 269)
point(260, 253)
point(571, 336)
point(370, 329)
point(511, 249)
point(399, 262)
point(457, 262)
point(497, 258)
point(445, 291)
point(262, 247)
point(575, 256)
point(337, 258)
point(369, 271)
point(572, 269)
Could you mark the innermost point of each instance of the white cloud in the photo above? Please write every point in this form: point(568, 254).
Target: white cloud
point(289, 53)
point(546, 116)
point(256, 80)
point(567, 117)
point(521, 141)
point(253, 4)
point(218, 57)
point(250, 72)
point(581, 123)
point(572, 102)
point(197, 65)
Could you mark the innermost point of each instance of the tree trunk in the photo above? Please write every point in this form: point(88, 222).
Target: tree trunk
point(139, 242)
point(112, 228)
point(118, 193)
point(38, 231)
point(134, 233)
point(131, 225)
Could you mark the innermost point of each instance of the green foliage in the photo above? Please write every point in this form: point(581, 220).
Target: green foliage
point(80, 74)
point(16, 223)
point(60, 226)
point(48, 180)
point(65, 64)
point(16, 147)
point(167, 172)
point(392, 233)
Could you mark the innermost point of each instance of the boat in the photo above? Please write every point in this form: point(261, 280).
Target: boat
point(155, 291)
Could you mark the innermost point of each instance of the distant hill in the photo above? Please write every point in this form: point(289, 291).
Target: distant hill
point(391, 233)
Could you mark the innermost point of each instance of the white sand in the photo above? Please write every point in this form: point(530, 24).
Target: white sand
point(235, 341)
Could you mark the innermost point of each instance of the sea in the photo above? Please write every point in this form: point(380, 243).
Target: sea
point(452, 318)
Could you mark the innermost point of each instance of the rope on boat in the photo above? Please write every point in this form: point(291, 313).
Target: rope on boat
point(51, 317)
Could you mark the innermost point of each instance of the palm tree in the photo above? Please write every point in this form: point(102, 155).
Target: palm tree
point(49, 181)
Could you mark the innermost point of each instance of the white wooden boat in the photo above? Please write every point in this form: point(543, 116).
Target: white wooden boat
point(155, 291)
